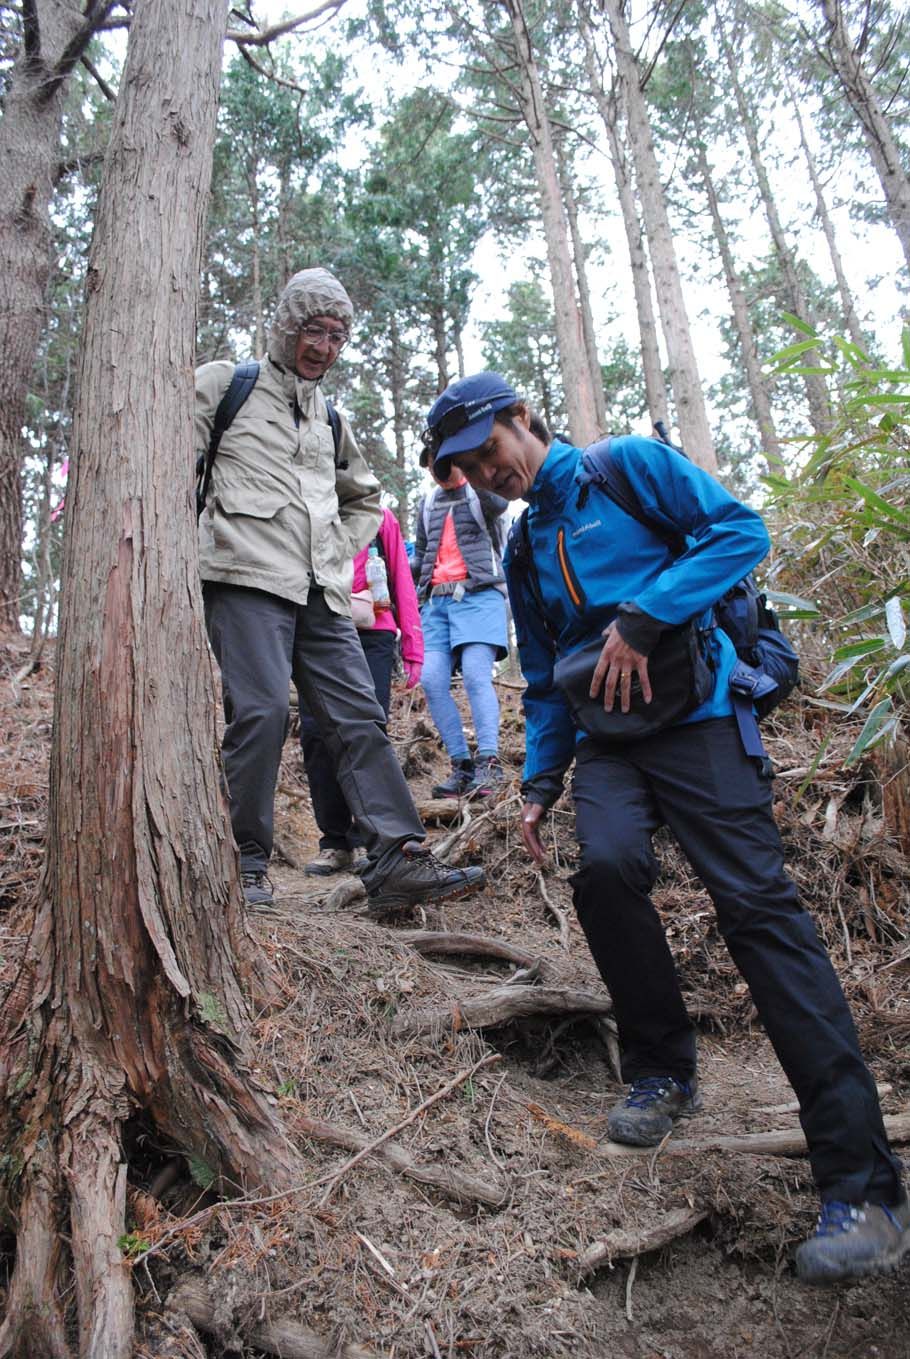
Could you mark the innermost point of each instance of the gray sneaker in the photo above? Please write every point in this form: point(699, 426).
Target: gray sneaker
point(650, 1109)
point(419, 876)
point(257, 889)
point(329, 861)
point(458, 782)
point(852, 1240)
point(489, 776)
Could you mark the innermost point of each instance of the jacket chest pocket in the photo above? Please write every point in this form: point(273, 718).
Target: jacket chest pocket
point(570, 581)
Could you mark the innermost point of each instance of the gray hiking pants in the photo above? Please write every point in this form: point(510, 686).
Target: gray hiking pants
point(261, 642)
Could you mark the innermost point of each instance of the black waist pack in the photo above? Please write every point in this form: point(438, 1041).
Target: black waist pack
point(681, 679)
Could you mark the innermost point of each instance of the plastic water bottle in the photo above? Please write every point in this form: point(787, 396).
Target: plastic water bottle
point(377, 579)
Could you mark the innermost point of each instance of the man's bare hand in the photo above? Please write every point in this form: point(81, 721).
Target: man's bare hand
point(531, 814)
point(615, 668)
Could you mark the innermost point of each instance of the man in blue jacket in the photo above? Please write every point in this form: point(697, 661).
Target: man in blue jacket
point(602, 573)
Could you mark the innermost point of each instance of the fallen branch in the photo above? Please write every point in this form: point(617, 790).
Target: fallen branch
point(288, 1339)
point(786, 1142)
point(455, 1184)
point(620, 1243)
point(792, 1106)
point(371, 1147)
point(500, 1006)
point(562, 920)
point(438, 809)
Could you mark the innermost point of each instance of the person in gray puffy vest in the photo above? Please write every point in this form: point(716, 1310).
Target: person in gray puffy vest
point(457, 564)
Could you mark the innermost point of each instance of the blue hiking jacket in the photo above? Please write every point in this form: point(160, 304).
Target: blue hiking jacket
point(595, 564)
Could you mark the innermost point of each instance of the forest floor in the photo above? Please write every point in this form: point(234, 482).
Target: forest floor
point(500, 1221)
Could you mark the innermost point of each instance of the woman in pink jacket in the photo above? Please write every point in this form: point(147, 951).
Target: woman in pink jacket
point(339, 839)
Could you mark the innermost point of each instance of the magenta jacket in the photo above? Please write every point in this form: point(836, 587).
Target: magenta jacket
point(401, 586)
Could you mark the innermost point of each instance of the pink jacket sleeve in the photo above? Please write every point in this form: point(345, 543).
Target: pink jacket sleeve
point(404, 593)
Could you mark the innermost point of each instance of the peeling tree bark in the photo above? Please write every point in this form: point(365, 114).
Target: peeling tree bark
point(130, 997)
point(55, 32)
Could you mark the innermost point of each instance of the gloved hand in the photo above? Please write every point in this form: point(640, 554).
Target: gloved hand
point(412, 673)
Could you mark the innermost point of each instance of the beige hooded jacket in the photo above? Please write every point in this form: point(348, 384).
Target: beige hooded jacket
point(279, 516)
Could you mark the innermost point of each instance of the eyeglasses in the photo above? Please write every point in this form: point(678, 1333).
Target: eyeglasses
point(316, 334)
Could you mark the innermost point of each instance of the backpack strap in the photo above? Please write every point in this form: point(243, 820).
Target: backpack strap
point(602, 469)
point(243, 380)
point(523, 566)
point(341, 464)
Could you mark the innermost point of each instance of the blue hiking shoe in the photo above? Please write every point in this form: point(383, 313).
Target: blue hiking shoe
point(650, 1109)
point(852, 1240)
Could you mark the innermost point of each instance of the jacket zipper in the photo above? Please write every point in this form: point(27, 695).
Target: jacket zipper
point(576, 593)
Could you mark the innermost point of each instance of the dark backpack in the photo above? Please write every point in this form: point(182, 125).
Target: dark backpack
point(243, 380)
point(767, 667)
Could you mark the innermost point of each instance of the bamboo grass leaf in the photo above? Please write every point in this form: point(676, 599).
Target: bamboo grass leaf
point(877, 726)
point(897, 628)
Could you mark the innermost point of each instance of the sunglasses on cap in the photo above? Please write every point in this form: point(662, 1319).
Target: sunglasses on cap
point(455, 420)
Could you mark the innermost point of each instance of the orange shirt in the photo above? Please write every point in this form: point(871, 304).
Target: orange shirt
point(449, 561)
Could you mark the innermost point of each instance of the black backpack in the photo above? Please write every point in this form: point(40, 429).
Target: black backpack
point(243, 380)
point(767, 669)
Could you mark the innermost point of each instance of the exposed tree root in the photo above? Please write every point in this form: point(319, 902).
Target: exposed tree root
point(455, 1184)
point(500, 1006)
point(473, 945)
point(285, 1338)
point(34, 1323)
point(677, 1223)
point(562, 920)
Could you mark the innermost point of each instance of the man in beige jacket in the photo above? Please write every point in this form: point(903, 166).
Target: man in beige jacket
point(284, 516)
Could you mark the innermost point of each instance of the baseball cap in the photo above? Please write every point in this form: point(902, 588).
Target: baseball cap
point(461, 418)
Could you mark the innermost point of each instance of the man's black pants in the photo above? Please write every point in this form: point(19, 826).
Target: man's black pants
point(697, 780)
point(333, 815)
point(260, 643)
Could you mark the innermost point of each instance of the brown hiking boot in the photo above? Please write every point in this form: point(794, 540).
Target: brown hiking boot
point(419, 876)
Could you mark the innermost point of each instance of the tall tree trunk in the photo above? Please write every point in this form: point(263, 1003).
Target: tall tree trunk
point(758, 392)
point(256, 300)
point(815, 387)
point(458, 341)
point(827, 226)
point(400, 428)
point(54, 33)
point(573, 362)
point(129, 996)
point(883, 149)
point(440, 339)
point(655, 387)
point(579, 255)
point(692, 415)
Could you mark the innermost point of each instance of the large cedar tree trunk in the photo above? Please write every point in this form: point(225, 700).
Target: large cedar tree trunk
point(573, 360)
point(54, 34)
point(691, 412)
point(130, 998)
